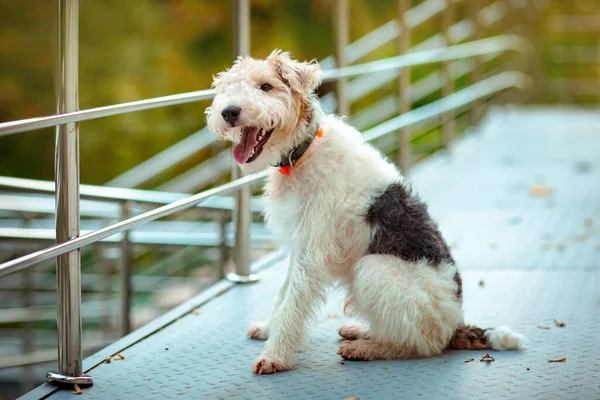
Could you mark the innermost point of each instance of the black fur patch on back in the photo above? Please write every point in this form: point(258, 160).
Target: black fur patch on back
point(402, 227)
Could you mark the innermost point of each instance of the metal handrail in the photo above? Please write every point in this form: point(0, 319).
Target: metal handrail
point(479, 90)
point(29, 124)
point(448, 53)
point(456, 100)
point(92, 237)
point(481, 47)
point(117, 195)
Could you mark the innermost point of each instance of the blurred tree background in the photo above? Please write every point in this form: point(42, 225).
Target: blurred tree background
point(136, 49)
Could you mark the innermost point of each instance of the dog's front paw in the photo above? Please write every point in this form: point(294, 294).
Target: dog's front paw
point(269, 365)
point(258, 330)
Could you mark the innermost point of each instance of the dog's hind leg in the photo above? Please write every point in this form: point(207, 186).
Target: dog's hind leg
point(368, 349)
point(411, 308)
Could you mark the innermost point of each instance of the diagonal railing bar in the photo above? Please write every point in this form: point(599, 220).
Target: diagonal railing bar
point(29, 124)
point(466, 50)
point(167, 158)
point(118, 195)
point(454, 101)
point(92, 237)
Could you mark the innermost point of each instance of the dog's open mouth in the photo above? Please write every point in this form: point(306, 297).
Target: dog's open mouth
point(251, 145)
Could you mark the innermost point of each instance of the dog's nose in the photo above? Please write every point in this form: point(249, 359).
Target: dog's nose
point(230, 114)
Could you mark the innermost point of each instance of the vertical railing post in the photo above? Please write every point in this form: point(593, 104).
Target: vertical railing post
point(404, 152)
point(223, 253)
point(68, 266)
point(241, 214)
point(531, 61)
point(448, 125)
point(125, 274)
point(106, 273)
point(512, 24)
point(27, 382)
point(341, 19)
point(476, 106)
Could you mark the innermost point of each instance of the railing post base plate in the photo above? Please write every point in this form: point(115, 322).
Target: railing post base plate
point(232, 277)
point(56, 377)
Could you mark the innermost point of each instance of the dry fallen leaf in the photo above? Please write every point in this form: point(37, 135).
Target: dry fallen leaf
point(195, 311)
point(332, 315)
point(543, 327)
point(540, 191)
point(559, 324)
point(78, 390)
point(564, 359)
point(351, 398)
point(488, 358)
point(469, 360)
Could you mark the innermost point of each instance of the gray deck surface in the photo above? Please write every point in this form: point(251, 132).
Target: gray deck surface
point(538, 258)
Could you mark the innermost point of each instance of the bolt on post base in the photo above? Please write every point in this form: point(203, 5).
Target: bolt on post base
point(56, 377)
point(232, 277)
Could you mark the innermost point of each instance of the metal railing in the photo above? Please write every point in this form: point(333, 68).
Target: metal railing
point(67, 179)
point(121, 195)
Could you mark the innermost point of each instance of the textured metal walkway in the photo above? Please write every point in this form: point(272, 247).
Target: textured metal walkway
point(520, 204)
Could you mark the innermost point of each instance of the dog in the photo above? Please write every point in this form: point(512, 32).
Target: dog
point(348, 218)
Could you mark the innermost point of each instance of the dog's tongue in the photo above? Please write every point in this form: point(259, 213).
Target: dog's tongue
point(242, 151)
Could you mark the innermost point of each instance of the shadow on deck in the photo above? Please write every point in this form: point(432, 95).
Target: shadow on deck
point(520, 203)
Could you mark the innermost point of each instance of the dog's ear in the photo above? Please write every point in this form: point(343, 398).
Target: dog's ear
point(301, 77)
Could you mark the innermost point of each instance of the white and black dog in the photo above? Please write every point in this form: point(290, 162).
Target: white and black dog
point(347, 217)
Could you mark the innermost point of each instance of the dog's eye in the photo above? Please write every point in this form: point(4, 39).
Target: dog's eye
point(265, 87)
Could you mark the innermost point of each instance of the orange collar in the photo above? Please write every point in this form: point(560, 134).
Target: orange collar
point(287, 169)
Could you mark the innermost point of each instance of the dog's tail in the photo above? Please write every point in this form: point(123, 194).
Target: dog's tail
point(468, 337)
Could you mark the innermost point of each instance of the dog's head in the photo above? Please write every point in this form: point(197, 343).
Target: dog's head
point(262, 106)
